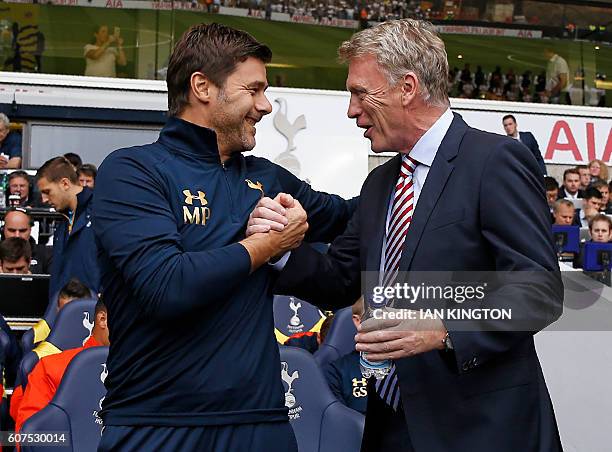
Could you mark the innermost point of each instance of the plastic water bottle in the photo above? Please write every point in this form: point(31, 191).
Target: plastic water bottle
point(3, 190)
point(376, 369)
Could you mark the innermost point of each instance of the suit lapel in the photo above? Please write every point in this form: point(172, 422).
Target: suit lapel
point(440, 171)
point(378, 207)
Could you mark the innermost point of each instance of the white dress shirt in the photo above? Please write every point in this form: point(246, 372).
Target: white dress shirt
point(424, 152)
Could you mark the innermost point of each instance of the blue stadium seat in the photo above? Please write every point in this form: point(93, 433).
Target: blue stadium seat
point(74, 408)
point(340, 339)
point(292, 315)
point(321, 423)
point(5, 345)
point(73, 324)
point(27, 340)
point(70, 330)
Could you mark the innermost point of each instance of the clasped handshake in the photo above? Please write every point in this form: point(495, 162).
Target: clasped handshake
point(275, 226)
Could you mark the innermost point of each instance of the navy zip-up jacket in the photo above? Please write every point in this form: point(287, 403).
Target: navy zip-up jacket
point(191, 330)
point(75, 254)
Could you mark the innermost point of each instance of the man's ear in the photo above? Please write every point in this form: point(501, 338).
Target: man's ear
point(410, 88)
point(65, 183)
point(201, 87)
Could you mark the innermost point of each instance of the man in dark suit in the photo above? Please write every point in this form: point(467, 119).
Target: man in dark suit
point(527, 138)
point(465, 201)
point(571, 185)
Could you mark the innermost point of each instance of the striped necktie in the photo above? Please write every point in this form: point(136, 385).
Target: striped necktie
point(399, 222)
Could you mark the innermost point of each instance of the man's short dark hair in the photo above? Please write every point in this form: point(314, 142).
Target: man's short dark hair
point(509, 117)
point(599, 183)
point(100, 306)
point(74, 159)
point(18, 173)
point(13, 249)
point(88, 169)
point(570, 171)
point(579, 167)
point(56, 169)
point(600, 217)
point(592, 192)
point(550, 183)
point(212, 49)
point(75, 289)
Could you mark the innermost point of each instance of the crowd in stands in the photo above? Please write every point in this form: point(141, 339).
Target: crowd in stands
point(377, 11)
point(582, 200)
point(470, 83)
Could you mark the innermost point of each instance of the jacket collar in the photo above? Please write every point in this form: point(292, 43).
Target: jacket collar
point(190, 138)
point(81, 219)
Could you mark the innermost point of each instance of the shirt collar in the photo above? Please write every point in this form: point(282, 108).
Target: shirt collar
point(190, 138)
point(424, 151)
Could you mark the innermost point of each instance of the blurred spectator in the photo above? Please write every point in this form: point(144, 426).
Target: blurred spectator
point(526, 80)
point(479, 77)
point(74, 159)
point(585, 176)
point(571, 184)
point(87, 175)
point(19, 184)
point(47, 375)
point(557, 78)
point(103, 56)
point(10, 145)
point(563, 212)
point(592, 200)
point(15, 256)
point(466, 74)
point(598, 170)
point(310, 340)
point(540, 88)
point(600, 228)
point(552, 192)
point(344, 374)
point(604, 189)
point(74, 246)
point(18, 223)
point(527, 138)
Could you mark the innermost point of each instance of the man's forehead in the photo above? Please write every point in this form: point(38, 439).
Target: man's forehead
point(15, 216)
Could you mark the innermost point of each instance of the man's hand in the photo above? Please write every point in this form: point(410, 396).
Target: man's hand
point(394, 339)
point(270, 214)
point(263, 246)
point(3, 161)
point(293, 233)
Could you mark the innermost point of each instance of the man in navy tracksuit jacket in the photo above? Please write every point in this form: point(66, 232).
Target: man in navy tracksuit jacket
point(193, 362)
point(346, 381)
point(74, 245)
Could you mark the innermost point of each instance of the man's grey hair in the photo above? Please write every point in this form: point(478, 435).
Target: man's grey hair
point(562, 202)
point(403, 46)
point(4, 120)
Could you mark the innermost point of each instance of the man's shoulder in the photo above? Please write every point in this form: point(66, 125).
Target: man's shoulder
point(343, 365)
point(255, 162)
point(146, 155)
point(481, 143)
point(58, 360)
point(527, 135)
